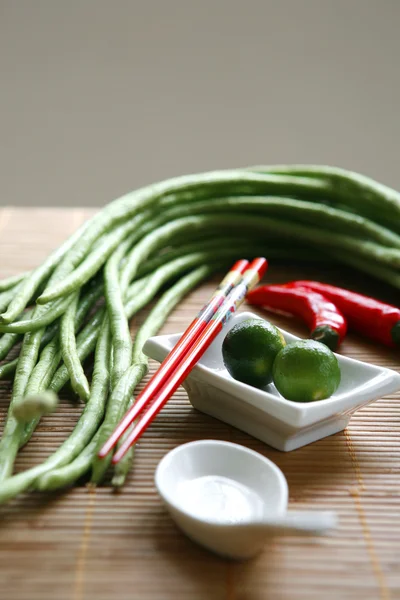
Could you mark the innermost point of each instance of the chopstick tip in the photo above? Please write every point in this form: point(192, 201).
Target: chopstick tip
point(102, 453)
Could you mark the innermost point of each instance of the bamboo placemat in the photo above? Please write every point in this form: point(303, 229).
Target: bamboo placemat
point(100, 545)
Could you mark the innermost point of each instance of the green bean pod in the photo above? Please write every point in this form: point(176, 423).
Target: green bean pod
point(33, 280)
point(7, 370)
point(205, 185)
point(358, 192)
point(68, 474)
point(312, 213)
point(92, 264)
point(123, 389)
point(39, 381)
point(13, 428)
point(7, 296)
point(8, 341)
point(375, 270)
point(78, 379)
point(43, 374)
point(41, 317)
point(235, 243)
point(10, 282)
point(84, 430)
point(137, 372)
point(114, 293)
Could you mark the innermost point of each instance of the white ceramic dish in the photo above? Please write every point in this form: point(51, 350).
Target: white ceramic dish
point(265, 414)
point(231, 499)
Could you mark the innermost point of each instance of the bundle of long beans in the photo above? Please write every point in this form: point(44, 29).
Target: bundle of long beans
point(79, 301)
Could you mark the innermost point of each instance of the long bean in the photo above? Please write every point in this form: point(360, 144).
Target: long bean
point(68, 474)
point(45, 368)
point(138, 371)
point(357, 191)
point(42, 316)
point(13, 429)
point(8, 369)
point(286, 251)
point(10, 282)
point(84, 429)
point(273, 226)
point(212, 184)
point(15, 434)
point(382, 273)
point(39, 381)
point(7, 296)
point(299, 210)
point(159, 237)
point(142, 227)
point(78, 379)
point(50, 357)
point(123, 389)
point(33, 280)
point(30, 379)
point(93, 261)
point(50, 331)
point(86, 339)
point(114, 293)
point(85, 344)
point(292, 231)
point(47, 315)
point(8, 341)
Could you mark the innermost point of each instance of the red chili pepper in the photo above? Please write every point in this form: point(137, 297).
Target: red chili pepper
point(325, 321)
point(373, 318)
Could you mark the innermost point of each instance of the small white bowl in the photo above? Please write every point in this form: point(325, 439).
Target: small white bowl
point(230, 499)
point(265, 414)
point(261, 492)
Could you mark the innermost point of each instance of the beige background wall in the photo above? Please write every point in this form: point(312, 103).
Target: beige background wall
point(98, 97)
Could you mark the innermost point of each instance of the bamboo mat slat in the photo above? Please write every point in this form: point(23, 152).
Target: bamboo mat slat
point(82, 544)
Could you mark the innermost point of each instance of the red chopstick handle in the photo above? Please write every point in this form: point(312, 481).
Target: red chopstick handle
point(186, 341)
point(236, 297)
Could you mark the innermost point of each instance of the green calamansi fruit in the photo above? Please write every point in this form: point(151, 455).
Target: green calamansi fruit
point(306, 371)
point(249, 350)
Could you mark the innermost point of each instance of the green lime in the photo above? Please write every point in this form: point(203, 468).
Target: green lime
point(306, 371)
point(249, 350)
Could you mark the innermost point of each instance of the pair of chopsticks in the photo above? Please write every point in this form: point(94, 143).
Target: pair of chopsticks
point(226, 299)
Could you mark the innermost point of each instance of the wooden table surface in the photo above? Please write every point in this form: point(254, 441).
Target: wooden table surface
point(81, 544)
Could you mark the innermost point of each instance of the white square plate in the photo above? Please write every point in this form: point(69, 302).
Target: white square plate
point(265, 414)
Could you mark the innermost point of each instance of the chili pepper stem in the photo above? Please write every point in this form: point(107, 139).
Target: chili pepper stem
point(327, 336)
point(396, 333)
